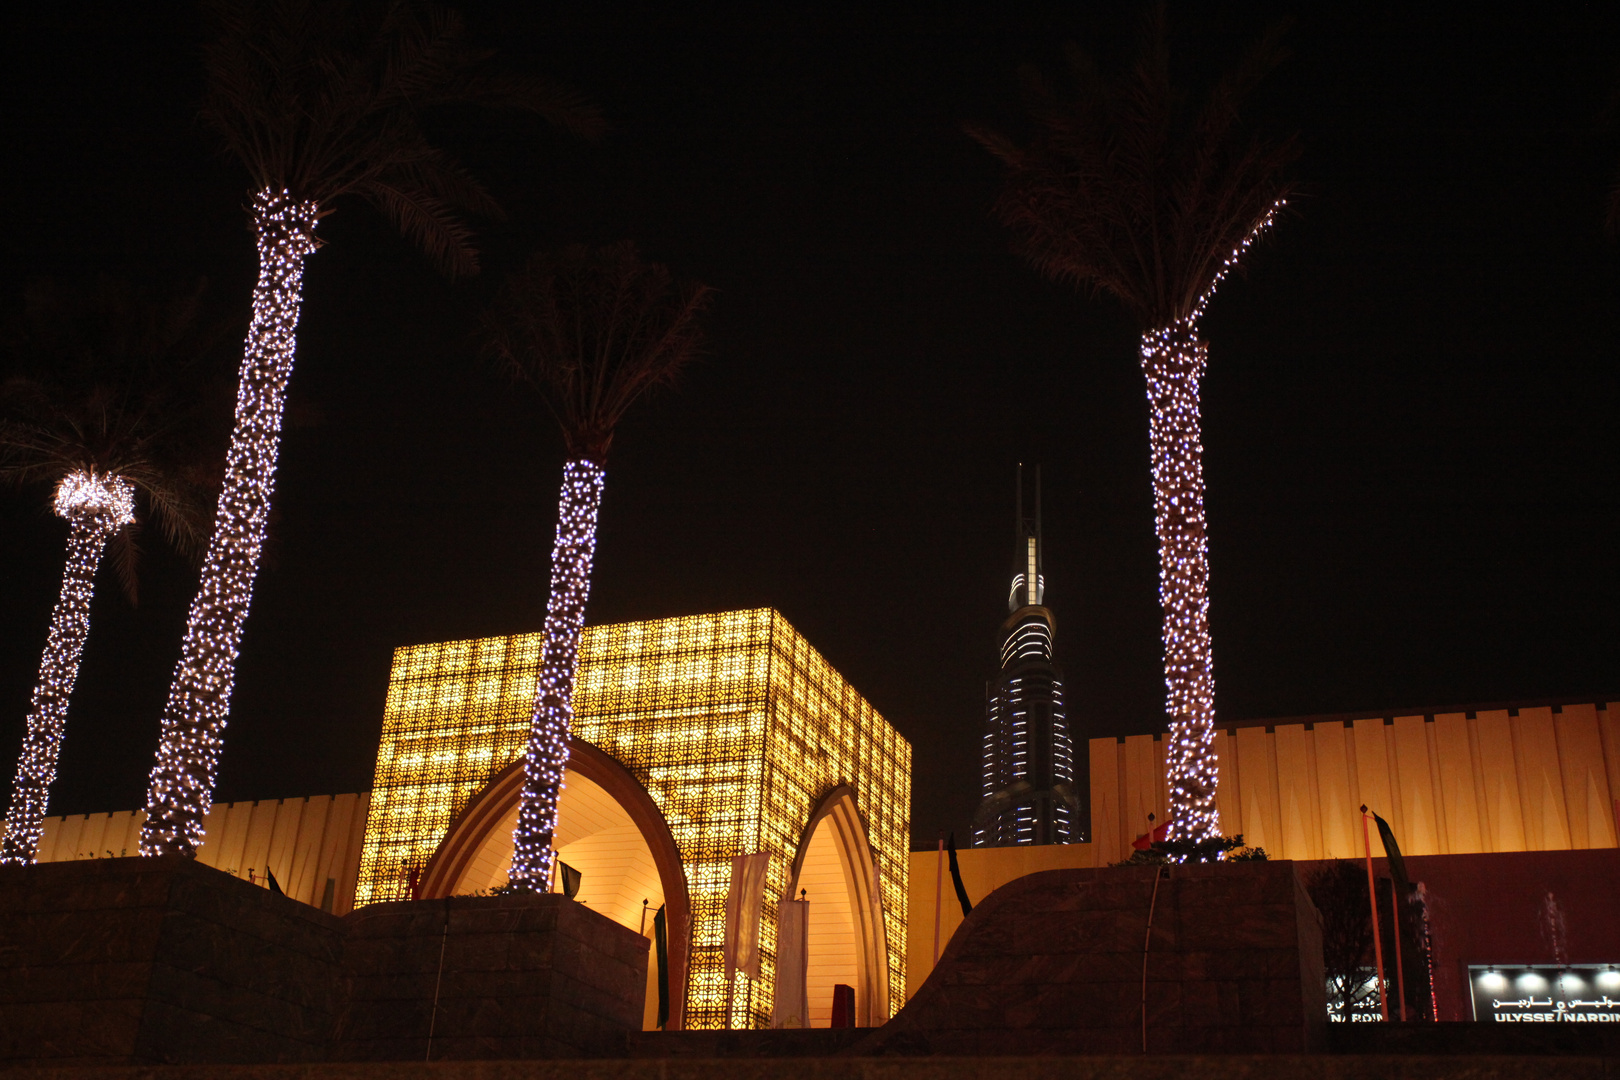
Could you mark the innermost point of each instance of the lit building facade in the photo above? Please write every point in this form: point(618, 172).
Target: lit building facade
point(1029, 791)
point(736, 735)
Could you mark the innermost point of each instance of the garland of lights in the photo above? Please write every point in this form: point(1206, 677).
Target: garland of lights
point(1174, 359)
point(547, 756)
point(182, 780)
point(97, 507)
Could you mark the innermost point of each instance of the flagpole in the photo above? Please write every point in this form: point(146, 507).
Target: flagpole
point(1395, 920)
point(1372, 901)
point(939, 892)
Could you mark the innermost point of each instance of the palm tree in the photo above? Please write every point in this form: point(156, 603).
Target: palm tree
point(93, 417)
point(592, 329)
point(319, 100)
point(1130, 189)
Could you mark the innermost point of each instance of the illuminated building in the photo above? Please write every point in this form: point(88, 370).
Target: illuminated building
point(700, 738)
point(1030, 796)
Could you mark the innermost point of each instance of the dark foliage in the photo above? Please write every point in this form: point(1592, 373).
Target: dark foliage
point(1133, 189)
point(1212, 849)
point(1339, 891)
point(106, 378)
point(324, 98)
point(592, 329)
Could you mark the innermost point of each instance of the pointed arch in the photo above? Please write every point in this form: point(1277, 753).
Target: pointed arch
point(495, 805)
point(838, 813)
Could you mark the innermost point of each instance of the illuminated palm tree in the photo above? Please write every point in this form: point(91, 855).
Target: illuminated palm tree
point(320, 100)
point(93, 418)
point(592, 329)
point(1130, 189)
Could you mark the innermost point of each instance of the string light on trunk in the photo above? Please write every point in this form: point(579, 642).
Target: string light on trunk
point(547, 756)
point(1173, 360)
point(96, 506)
point(181, 786)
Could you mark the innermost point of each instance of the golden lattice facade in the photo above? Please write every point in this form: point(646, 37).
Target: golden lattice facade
point(735, 725)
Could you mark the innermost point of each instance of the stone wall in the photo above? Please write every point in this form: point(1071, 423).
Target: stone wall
point(492, 977)
point(154, 960)
point(147, 961)
point(1052, 963)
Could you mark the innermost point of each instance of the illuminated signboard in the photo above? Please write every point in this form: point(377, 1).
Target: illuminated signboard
point(1579, 993)
point(1362, 1005)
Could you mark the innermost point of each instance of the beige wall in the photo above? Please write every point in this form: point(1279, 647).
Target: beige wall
point(304, 842)
point(1449, 783)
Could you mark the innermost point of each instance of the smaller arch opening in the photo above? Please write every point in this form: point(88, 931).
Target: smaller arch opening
point(609, 829)
point(847, 944)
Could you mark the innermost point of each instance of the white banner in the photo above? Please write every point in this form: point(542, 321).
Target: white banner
point(743, 903)
point(792, 1008)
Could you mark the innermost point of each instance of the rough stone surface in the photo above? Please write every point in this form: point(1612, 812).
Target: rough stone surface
point(1474, 1038)
point(160, 960)
point(763, 1043)
point(488, 977)
point(1137, 1067)
point(1053, 963)
point(132, 961)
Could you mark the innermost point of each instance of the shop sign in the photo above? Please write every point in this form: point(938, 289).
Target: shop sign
point(1575, 993)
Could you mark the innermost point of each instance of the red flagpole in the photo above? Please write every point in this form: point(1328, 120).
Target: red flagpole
point(1372, 901)
point(1395, 920)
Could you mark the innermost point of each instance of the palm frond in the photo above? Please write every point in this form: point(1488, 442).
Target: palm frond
point(593, 330)
point(125, 554)
point(325, 98)
point(425, 220)
point(558, 105)
point(1130, 188)
point(105, 380)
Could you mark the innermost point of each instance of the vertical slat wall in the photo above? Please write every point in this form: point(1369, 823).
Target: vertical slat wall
point(1531, 779)
point(303, 842)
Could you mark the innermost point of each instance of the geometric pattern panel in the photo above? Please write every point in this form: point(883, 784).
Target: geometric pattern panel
point(733, 723)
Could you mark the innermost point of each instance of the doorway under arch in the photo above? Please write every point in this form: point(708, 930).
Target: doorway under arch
point(847, 941)
point(609, 829)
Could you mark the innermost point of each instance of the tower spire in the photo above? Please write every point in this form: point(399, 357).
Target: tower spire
point(1040, 541)
point(1018, 503)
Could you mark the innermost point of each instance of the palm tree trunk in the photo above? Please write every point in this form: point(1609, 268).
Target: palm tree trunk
point(571, 558)
point(181, 787)
point(58, 670)
point(1173, 360)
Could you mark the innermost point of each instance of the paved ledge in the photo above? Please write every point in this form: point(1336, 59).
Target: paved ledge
point(759, 1043)
point(1152, 1067)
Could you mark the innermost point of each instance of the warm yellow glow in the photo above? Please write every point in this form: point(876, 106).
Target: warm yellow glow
point(734, 724)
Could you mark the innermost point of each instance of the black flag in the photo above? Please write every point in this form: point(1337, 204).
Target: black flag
point(661, 943)
point(956, 879)
point(275, 886)
point(1392, 852)
point(570, 879)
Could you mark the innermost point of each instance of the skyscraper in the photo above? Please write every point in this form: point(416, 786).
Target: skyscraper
point(1030, 765)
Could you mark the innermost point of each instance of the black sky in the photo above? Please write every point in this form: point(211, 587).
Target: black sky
point(1409, 419)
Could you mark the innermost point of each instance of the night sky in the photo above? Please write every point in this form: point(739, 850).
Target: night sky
point(1409, 417)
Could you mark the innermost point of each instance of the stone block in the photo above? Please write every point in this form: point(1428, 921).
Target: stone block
point(135, 961)
point(1054, 961)
point(490, 977)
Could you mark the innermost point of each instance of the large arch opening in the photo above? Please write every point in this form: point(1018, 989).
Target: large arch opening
point(609, 829)
point(847, 943)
